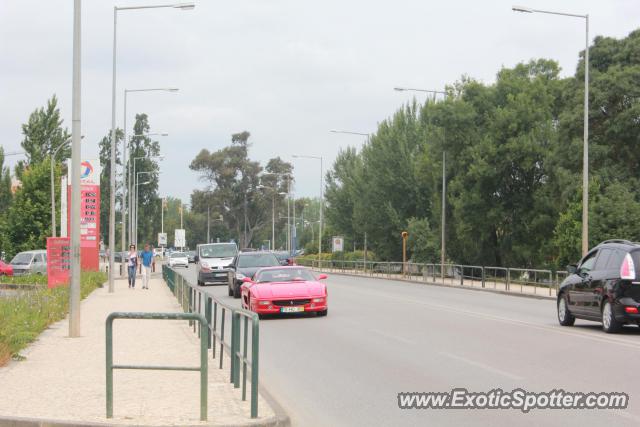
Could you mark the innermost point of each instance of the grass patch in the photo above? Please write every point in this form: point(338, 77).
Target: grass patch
point(27, 279)
point(24, 316)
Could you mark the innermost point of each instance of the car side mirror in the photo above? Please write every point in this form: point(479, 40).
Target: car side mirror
point(322, 277)
point(572, 269)
point(247, 280)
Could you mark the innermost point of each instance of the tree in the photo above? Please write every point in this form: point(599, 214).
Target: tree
point(233, 187)
point(43, 133)
point(105, 179)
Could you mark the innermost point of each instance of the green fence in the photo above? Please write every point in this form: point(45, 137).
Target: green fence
point(203, 368)
point(242, 341)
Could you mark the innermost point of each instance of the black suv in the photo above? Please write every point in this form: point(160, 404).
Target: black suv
point(603, 287)
point(246, 264)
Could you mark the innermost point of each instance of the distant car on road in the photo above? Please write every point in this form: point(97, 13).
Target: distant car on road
point(284, 257)
point(30, 262)
point(285, 290)
point(603, 287)
point(192, 256)
point(245, 264)
point(213, 260)
point(178, 259)
point(5, 269)
point(157, 252)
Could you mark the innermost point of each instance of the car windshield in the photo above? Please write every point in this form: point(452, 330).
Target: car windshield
point(178, 255)
point(257, 260)
point(218, 251)
point(22, 259)
point(285, 275)
point(282, 255)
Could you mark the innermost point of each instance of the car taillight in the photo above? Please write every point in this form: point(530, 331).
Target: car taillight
point(631, 310)
point(628, 269)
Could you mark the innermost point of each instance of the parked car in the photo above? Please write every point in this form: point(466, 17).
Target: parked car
point(30, 262)
point(5, 269)
point(179, 259)
point(157, 252)
point(284, 257)
point(192, 256)
point(246, 264)
point(285, 290)
point(603, 287)
point(213, 260)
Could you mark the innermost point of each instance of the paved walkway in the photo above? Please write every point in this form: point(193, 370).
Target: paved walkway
point(64, 378)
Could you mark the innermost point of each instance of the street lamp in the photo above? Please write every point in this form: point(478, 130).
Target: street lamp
point(112, 178)
point(53, 193)
point(273, 211)
point(125, 149)
point(585, 142)
point(443, 251)
point(297, 156)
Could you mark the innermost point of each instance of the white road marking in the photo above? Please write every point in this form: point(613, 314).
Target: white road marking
point(392, 337)
point(483, 366)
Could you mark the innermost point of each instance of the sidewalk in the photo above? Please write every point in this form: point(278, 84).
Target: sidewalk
point(63, 379)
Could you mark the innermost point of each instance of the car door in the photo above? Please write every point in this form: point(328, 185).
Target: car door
point(578, 293)
point(37, 263)
point(595, 280)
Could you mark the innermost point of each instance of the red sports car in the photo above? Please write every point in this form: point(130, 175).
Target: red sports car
point(5, 269)
point(292, 289)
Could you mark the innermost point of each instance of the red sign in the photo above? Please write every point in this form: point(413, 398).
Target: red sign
point(58, 261)
point(89, 225)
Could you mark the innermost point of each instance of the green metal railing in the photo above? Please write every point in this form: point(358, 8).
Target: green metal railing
point(203, 368)
point(517, 280)
point(243, 353)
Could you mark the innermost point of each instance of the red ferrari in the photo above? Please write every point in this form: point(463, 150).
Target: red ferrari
point(292, 289)
point(5, 269)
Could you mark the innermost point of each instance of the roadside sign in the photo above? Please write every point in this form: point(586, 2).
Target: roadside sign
point(179, 240)
point(338, 244)
point(58, 261)
point(162, 239)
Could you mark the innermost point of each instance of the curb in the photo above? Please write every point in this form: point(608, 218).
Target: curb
point(440, 285)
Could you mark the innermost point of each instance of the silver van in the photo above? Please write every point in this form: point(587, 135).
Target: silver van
point(30, 262)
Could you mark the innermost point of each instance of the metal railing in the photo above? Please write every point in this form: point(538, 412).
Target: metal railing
point(243, 353)
point(203, 368)
point(516, 280)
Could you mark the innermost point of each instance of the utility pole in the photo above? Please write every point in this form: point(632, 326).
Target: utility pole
point(444, 210)
point(208, 223)
point(76, 156)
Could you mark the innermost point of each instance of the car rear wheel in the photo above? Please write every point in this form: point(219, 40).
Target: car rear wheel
point(236, 291)
point(565, 318)
point(322, 313)
point(609, 323)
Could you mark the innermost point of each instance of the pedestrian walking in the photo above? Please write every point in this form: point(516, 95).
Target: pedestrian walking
point(132, 265)
point(147, 261)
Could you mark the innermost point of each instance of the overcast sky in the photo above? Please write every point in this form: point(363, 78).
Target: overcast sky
point(287, 71)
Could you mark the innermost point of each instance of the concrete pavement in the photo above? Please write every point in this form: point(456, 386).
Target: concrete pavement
point(63, 379)
point(382, 337)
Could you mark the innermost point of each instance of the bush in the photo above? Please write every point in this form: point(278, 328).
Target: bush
point(24, 317)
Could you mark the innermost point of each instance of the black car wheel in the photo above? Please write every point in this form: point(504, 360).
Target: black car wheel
point(564, 315)
point(322, 313)
point(609, 323)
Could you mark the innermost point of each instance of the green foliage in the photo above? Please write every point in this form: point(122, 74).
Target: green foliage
point(25, 316)
point(235, 189)
point(43, 133)
point(28, 220)
point(513, 166)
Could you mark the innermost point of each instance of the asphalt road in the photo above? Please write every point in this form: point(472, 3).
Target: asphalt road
point(382, 337)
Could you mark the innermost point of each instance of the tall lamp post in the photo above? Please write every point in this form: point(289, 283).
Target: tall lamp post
point(585, 142)
point(298, 156)
point(125, 174)
point(112, 178)
point(76, 156)
point(443, 218)
point(273, 211)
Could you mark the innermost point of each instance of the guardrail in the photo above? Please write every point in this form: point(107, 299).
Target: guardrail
point(244, 354)
point(516, 280)
point(203, 368)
